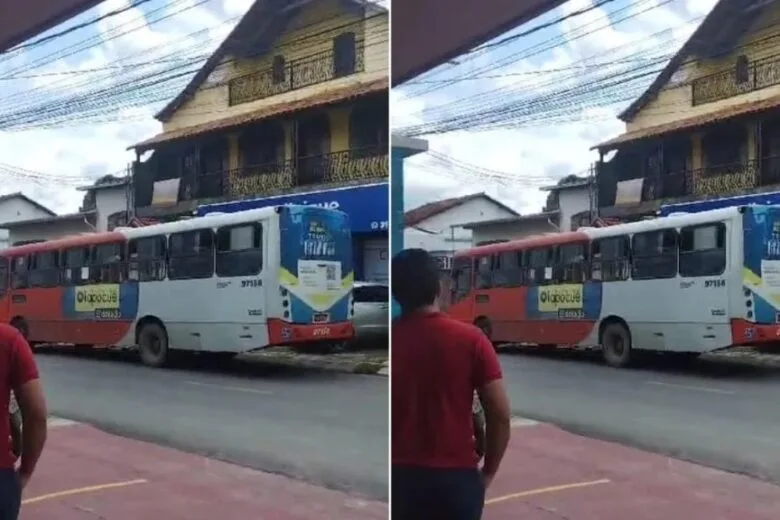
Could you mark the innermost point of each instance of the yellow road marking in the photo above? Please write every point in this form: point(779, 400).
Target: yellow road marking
point(545, 490)
point(82, 490)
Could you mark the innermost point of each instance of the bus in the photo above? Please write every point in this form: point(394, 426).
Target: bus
point(219, 285)
point(685, 284)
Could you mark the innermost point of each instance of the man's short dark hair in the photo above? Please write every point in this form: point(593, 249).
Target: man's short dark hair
point(415, 279)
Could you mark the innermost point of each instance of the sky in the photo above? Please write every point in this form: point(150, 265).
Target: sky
point(47, 161)
point(521, 154)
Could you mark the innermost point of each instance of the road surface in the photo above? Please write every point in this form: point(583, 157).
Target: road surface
point(714, 414)
point(324, 428)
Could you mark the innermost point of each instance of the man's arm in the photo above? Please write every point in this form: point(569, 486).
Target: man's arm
point(495, 402)
point(29, 394)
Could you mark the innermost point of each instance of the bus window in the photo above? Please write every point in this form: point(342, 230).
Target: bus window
point(147, 259)
point(4, 274)
point(461, 278)
point(539, 266)
point(44, 269)
point(19, 275)
point(508, 269)
point(570, 264)
point(107, 264)
point(240, 250)
point(611, 259)
point(191, 255)
point(74, 261)
point(654, 255)
point(484, 272)
point(703, 250)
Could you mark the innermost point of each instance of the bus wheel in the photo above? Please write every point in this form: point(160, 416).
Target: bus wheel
point(153, 345)
point(483, 324)
point(616, 345)
point(21, 325)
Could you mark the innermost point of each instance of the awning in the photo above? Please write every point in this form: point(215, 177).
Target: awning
point(691, 122)
point(327, 98)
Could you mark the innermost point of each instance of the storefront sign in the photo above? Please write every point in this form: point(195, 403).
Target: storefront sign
point(367, 205)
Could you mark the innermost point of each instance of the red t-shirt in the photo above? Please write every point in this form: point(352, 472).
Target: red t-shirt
point(437, 364)
point(17, 367)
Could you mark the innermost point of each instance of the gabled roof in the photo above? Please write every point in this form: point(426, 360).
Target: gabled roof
point(22, 196)
point(419, 214)
point(717, 35)
point(263, 23)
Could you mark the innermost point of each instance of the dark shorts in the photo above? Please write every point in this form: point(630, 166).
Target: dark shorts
point(436, 494)
point(10, 494)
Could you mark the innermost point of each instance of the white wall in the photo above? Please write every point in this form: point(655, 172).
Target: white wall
point(572, 201)
point(16, 209)
point(47, 230)
point(444, 238)
point(109, 201)
point(511, 230)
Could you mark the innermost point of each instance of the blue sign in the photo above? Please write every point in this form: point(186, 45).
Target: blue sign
point(366, 205)
point(697, 206)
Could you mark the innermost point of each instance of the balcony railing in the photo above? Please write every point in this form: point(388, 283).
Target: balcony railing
point(296, 74)
point(723, 85)
point(283, 176)
point(713, 181)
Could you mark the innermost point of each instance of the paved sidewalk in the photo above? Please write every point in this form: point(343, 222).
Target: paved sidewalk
point(550, 474)
point(86, 474)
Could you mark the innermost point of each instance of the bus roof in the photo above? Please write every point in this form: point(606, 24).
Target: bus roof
point(525, 243)
point(588, 233)
point(87, 239)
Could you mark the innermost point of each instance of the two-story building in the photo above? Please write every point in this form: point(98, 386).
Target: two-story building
point(292, 108)
point(706, 133)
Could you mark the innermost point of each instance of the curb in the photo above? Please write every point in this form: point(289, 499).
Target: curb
point(336, 362)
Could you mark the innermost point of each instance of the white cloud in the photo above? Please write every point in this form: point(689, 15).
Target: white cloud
point(77, 154)
point(541, 154)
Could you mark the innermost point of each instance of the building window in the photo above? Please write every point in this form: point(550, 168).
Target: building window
point(278, 70)
point(344, 55)
point(368, 129)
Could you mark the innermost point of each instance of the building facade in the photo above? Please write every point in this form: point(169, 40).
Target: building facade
point(292, 106)
point(708, 127)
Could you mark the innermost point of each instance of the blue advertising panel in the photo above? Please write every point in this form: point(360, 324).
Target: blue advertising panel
point(366, 205)
point(698, 206)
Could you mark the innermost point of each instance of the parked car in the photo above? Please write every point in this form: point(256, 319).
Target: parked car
point(372, 311)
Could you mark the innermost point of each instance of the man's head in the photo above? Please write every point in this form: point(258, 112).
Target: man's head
point(415, 279)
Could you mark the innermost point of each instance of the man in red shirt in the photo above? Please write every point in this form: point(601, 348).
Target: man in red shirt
point(18, 373)
point(437, 365)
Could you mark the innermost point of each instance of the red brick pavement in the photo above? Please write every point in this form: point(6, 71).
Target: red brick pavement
point(169, 485)
point(641, 486)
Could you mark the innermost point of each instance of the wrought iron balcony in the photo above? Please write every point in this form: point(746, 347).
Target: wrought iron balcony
point(723, 85)
point(278, 177)
point(296, 74)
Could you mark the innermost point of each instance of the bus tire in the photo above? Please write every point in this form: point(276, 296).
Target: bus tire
point(616, 344)
point(153, 345)
point(484, 325)
point(20, 324)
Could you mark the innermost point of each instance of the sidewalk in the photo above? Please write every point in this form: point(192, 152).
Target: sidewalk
point(550, 474)
point(86, 474)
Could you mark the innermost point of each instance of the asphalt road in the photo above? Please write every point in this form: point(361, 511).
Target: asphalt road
point(325, 428)
point(715, 414)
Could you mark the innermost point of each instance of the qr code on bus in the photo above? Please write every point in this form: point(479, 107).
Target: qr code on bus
point(330, 273)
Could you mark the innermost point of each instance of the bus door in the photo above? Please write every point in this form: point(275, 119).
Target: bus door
point(5, 308)
point(461, 300)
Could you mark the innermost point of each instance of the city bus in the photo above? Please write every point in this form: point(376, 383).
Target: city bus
point(219, 285)
point(684, 284)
